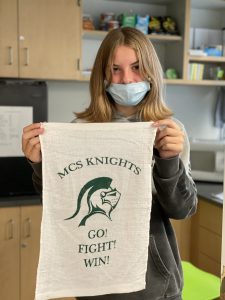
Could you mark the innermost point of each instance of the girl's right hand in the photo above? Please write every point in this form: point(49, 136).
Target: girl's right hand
point(31, 143)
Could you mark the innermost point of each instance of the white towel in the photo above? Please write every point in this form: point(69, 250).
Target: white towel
point(96, 208)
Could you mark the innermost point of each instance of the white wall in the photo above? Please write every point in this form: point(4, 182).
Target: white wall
point(192, 105)
point(66, 97)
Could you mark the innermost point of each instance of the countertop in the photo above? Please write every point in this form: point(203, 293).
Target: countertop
point(8, 201)
point(208, 190)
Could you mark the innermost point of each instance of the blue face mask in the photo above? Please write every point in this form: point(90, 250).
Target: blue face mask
point(128, 94)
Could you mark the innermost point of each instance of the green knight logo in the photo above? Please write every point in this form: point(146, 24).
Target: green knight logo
point(101, 198)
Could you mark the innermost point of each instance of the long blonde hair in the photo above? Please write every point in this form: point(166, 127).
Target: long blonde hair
point(152, 107)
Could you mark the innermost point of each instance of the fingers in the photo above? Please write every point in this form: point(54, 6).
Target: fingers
point(170, 143)
point(31, 142)
point(166, 123)
point(169, 138)
point(169, 133)
point(31, 131)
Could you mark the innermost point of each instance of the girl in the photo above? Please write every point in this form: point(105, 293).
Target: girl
point(126, 85)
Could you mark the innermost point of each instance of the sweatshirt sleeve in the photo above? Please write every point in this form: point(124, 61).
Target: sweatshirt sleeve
point(175, 188)
point(37, 176)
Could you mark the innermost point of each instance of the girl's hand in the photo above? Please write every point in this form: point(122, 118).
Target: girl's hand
point(31, 143)
point(169, 139)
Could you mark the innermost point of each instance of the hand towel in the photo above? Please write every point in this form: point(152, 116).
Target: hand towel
point(96, 208)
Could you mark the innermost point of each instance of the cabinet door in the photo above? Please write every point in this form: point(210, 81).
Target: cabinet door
point(182, 230)
point(30, 245)
point(207, 237)
point(8, 39)
point(9, 253)
point(49, 33)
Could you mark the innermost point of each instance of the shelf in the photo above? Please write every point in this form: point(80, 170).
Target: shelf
point(208, 59)
point(180, 82)
point(195, 82)
point(158, 2)
point(164, 37)
point(207, 145)
point(98, 34)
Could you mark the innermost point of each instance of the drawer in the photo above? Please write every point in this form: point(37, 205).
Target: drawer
point(210, 244)
point(210, 216)
point(209, 265)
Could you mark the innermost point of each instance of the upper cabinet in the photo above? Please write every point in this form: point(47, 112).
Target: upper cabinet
point(8, 39)
point(44, 34)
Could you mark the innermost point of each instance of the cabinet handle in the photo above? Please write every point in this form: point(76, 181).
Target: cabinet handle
point(10, 55)
point(26, 56)
point(10, 230)
point(78, 64)
point(27, 228)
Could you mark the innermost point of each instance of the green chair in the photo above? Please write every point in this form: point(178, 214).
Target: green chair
point(198, 284)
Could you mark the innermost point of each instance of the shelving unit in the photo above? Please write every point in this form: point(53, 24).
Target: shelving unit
point(206, 14)
point(166, 45)
point(173, 51)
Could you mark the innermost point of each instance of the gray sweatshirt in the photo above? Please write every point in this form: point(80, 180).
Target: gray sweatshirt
point(174, 196)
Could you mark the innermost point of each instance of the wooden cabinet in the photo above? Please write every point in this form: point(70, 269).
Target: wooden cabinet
point(200, 237)
point(48, 38)
point(182, 229)
point(206, 237)
point(49, 33)
point(30, 221)
point(19, 251)
point(9, 253)
point(8, 39)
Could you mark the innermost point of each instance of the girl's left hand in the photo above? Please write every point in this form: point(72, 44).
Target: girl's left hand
point(169, 139)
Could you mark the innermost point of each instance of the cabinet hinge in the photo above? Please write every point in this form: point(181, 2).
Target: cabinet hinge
point(78, 2)
point(78, 64)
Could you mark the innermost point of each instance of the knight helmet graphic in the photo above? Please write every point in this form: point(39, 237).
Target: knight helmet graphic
point(101, 198)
